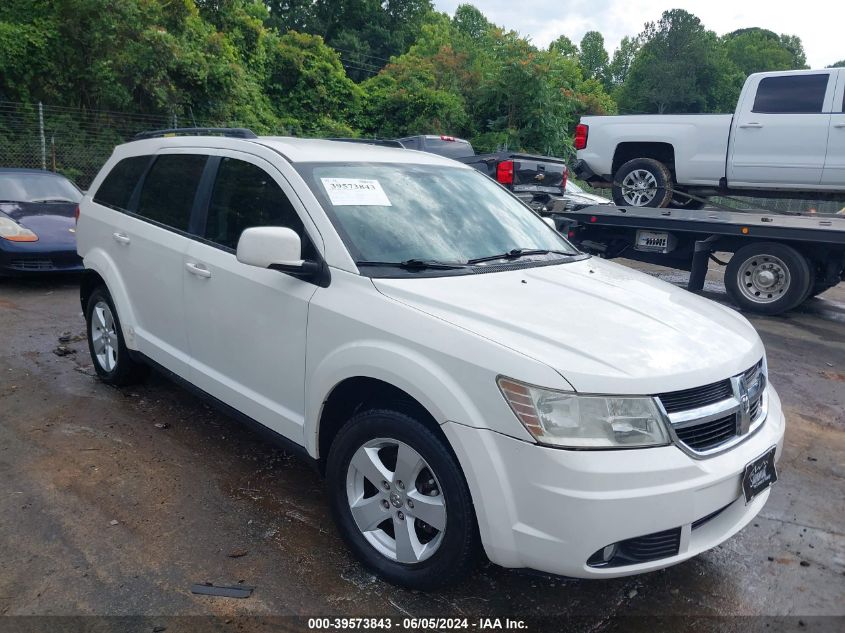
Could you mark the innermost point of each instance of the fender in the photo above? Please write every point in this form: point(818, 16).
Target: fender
point(432, 386)
point(98, 260)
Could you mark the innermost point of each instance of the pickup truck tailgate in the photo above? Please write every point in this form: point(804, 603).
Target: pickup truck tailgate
point(545, 176)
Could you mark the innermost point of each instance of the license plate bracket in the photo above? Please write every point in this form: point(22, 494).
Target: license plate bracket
point(759, 475)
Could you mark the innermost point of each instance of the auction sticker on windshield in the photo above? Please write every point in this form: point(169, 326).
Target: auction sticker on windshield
point(355, 191)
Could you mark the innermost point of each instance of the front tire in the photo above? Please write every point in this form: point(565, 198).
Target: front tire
point(400, 500)
point(106, 344)
point(768, 278)
point(643, 182)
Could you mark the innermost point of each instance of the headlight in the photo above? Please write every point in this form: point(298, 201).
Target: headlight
point(14, 232)
point(570, 420)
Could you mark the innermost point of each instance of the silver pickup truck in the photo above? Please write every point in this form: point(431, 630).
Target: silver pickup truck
point(786, 139)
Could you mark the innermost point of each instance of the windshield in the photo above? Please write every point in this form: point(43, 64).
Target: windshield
point(25, 187)
point(398, 212)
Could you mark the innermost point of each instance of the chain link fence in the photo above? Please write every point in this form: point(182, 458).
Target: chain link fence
point(69, 141)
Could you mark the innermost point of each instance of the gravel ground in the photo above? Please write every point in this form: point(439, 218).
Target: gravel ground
point(115, 501)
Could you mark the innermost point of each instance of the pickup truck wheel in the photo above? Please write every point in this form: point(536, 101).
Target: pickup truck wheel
point(767, 278)
point(400, 500)
point(108, 349)
point(643, 182)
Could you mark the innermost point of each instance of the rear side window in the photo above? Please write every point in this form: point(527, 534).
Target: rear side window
point(245, 195)
point(120, 182)
point(169, 189)
point(791, 94)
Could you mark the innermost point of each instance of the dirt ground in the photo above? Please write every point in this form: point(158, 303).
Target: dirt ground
point(115, 501)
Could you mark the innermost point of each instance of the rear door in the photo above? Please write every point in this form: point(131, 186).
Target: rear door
point(780, 131)
point(834, 166)
point(153, 200)
point(247, 325)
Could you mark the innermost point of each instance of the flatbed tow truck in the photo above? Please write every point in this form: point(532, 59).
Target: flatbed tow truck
point(778, 260)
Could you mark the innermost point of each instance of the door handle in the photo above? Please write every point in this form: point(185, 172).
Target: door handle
point(198, 270)
point(753, 124)
point(839, 125)
point(121, 238)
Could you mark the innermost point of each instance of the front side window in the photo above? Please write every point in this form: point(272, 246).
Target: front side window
point(398, 212)
point(167, 195)
point(116, 190)
point(791, 94)
point(244, 196)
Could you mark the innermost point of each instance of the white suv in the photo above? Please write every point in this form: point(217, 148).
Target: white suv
point(460, 372)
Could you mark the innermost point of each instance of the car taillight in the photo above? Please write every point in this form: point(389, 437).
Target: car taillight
point(504, 172)
point(565, 176)
point(581, 133)
point(76, 215)
point(446, 138)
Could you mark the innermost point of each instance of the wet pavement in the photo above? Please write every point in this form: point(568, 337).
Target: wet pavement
point(115, 501)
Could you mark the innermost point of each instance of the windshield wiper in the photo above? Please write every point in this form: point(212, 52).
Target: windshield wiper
point(414, 264)
point(516, 253)
point(51, 200)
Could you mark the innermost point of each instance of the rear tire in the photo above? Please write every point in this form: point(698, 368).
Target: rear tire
point(642, 182)
point(767, 278)
point(106, 344)
point(379, 511)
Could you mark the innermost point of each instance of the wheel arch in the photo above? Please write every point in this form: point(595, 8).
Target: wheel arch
point(376, 372)
point(629, 150)
point(100, 269)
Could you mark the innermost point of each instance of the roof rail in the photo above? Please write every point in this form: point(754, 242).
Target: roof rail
point(234, 132)
point(371, 141)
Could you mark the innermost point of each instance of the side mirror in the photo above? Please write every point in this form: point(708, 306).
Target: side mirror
point(266, 246)
point(279, 248)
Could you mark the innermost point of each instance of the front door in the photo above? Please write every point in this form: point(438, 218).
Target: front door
point(246, 325)
point(780, 137)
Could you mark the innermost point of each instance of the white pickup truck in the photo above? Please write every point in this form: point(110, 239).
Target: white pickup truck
point(786, 139)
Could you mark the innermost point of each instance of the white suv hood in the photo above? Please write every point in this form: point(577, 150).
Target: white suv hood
point(604, 327)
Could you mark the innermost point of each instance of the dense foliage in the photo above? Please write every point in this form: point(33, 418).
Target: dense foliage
point(374, 67)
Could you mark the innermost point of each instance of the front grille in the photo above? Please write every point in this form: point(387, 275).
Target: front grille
point(31, 264)
point(707, 417)
point(703, 437)
point(696, 397)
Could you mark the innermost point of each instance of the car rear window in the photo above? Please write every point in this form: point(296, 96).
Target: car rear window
point(117, 188)
point(167, 195)
point(449, 148)
point(791, 94)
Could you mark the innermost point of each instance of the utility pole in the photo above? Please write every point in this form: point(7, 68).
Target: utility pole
point(43, 140)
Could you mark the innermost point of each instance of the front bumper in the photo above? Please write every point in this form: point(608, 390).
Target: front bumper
point(551, 509)
point(23, 258)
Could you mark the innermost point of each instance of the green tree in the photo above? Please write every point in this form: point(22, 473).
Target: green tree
point(471, 22)
point(680, 67)
point(620, 64)
point(839, 64)
point(564, 46)
point(756, 50)
point(593, 56)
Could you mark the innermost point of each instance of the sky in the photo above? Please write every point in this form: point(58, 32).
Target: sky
point(817, 22)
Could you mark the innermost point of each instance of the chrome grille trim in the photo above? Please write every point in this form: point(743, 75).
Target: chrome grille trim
point(748, 405)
